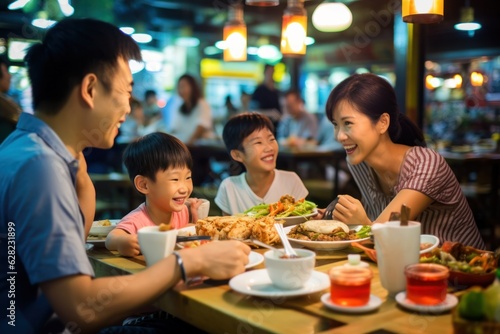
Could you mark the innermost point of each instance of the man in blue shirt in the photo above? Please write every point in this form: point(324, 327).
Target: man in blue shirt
point(81, 86)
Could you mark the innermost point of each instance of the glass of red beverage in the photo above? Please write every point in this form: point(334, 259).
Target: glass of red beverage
point(350, 286)
point(426, 283)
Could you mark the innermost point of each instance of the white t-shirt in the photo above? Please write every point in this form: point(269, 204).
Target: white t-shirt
point(183, 126)
point(235, 196)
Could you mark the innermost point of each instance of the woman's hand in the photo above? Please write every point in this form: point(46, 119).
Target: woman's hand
point(349, 210)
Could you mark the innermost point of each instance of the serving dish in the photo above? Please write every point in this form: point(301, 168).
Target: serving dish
point(100, 228)
point(294, 220)
point(326, 245)
point(425, 239)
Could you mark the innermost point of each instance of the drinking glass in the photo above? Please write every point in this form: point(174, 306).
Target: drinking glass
point(426, 283)
point(350, 286)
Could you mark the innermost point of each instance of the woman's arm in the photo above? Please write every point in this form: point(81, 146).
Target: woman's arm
point(349, 210)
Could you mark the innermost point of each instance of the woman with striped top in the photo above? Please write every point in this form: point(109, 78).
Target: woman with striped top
point(388, 158)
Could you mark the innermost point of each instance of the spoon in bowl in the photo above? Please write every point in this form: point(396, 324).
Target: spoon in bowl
point(289, 251)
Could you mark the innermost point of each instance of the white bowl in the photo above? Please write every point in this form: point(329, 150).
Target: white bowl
point(289, 273)
point(428, 239)
point(102, 231)
point(156, 244)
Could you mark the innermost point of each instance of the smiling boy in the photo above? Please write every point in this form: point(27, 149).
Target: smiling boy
point(250, 140)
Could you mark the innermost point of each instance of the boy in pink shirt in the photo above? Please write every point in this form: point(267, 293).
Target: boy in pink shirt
point(160, 166)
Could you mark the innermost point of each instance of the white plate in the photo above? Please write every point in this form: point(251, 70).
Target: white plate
point(97, 242)
point(254, 259)
point(449, 303)
point(373, 303)
point(294, 220)
point(324, 245)
point(257, 283)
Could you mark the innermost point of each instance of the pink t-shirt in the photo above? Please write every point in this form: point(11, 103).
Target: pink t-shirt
point(138, 218)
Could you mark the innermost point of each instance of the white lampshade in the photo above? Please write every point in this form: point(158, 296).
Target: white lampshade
point(332, 17)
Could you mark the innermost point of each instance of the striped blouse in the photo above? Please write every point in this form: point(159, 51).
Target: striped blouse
point(449, 217)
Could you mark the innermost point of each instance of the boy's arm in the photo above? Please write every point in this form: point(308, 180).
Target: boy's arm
point(125, 243)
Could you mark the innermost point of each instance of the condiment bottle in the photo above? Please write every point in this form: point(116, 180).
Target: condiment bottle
point(354, 260)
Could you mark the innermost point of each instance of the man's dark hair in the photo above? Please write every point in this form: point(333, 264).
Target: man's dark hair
point(70, 50)
point(155, 152)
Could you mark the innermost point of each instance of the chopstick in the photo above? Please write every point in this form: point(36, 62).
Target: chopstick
point(193, 238)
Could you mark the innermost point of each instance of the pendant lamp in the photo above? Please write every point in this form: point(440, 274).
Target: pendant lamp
point(332, 17)
point(294, 29)
point(423, 11)
point(235, 35)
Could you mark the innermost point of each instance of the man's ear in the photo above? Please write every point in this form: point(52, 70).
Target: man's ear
point(237, 155)
point(141, 184)
point(88, 89)
point(383, 122)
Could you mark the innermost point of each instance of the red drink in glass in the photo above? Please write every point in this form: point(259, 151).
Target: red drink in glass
point(350, 286)
point(426, 283)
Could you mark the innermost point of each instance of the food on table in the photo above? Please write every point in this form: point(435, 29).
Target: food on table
point(327, 230)
point(286, 206)
point(164, 227)
point(104, 222)
point(481, 304)
point(238, 227)
point(461, 258)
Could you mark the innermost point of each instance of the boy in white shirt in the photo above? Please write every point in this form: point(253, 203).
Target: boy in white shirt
point(249, 139)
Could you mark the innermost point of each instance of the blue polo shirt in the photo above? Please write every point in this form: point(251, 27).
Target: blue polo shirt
point(41, 225)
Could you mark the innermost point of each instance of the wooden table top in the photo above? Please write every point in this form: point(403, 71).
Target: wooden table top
point(214, 307)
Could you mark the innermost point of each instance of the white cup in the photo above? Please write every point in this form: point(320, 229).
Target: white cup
point(289, 273)
point(203, 209)
point(396, 246)
point(155, 244)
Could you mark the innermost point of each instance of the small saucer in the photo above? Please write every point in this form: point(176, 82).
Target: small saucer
point(373, 303)
point(449, 303)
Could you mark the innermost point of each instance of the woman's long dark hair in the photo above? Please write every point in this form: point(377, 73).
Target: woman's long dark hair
point(195, 94)
point(373, 96)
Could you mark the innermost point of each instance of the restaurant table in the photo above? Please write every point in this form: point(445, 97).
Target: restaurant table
point(214, 307)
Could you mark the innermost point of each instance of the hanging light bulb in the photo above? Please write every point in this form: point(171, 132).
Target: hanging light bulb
point(423, 11)
point(332, 17)
point(467, 20)
point(263, 3)
point(235, 35)
point(294, 29)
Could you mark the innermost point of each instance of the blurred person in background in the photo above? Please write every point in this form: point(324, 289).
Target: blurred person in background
point(297, 128)
point(193, 120)
point(266, 97)
point(9, 109)
point(151, 110)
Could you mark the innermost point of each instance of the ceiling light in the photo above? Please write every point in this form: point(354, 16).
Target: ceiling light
point(142, 38)
point(187, 41)
point(423, 11)
point(66, 8)
point(310, 40)
point(235, 35)
point(467, 20)
point(269, 52)
point(332, 17)
point(127, 30)
point(17, 4)
point(262, 3)
point(43, 23)
point(476, 79)
point(294, 29)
